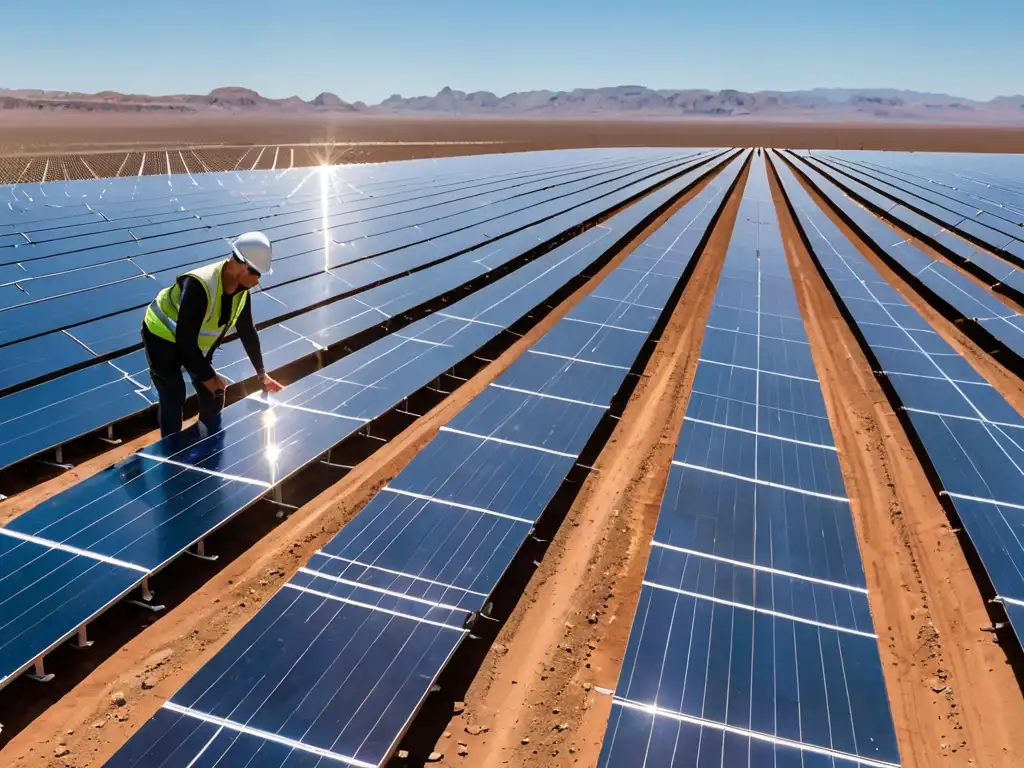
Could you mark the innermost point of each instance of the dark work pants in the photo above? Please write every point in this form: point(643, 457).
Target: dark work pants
point(166, 372)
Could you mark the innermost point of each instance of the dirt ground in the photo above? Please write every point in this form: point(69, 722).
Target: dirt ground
point(56, 146)
point(954, 698)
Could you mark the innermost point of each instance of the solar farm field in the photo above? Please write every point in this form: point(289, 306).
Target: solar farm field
point(616, 457)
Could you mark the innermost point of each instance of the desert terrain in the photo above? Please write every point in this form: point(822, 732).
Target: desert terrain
point(532, 690)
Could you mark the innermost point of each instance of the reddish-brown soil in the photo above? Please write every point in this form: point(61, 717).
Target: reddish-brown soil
point(219, 143)
point(954, 698)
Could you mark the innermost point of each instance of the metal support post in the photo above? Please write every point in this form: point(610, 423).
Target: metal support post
point(81, 641)
point(276, 499)
point(110, 439)
point(200, 552)
point(59, 463)
point(39, 674)
point(147, 597)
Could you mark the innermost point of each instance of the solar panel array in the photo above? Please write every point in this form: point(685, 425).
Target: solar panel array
point(752, 643)
point(72, 556)
point(967, 434)
point(990, 217)
point(948, 288)
point(997, 273)
point(333, 272)
point(351, 645)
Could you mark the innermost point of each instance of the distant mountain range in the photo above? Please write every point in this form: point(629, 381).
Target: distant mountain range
point(618, 101)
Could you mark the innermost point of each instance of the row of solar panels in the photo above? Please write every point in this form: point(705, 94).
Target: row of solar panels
point(978, 311)
point(753, 643)
point(970, 438)
point(992, 228)
point(335, 297)
point(352, 644)
point(1000, 198)
point(68, 559)
point(755, 439)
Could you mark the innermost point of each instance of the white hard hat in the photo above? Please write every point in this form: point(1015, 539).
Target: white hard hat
point(254, 249)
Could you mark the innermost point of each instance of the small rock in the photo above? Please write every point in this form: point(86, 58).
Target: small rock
point(572, 750)
point(99, 723)
point(118, 699)
point(447, 734)
point(525, 740)
point(122, 718)
point(587, 686)
point(458, 708)
point(463, 751)
point(71, 731)
point(461, 744)
point(403, 754)
point(561, 727)
point(148, 684)
point(556, 711)
point(474, 730)
point(61, 751)
point(592, 618)
point(434, 757)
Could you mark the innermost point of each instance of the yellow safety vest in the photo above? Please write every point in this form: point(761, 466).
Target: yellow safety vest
point(162, 313)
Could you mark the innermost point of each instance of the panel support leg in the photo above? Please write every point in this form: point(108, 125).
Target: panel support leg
point(147, 597)
point(110, 439)
point(326, 461)
point(276, 499)
point(81, 641)
point(59, 463)
point(201, 552)
point(39, 674)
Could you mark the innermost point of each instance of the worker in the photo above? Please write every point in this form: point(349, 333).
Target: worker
point(186, 322)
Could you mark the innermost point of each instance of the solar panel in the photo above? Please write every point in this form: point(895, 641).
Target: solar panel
point(943, 186)
point(942, 400)
point(753, 639)
point(952, 292)
point(299, 297)
point(388, 600)
point(993, 232)
point(146, 510)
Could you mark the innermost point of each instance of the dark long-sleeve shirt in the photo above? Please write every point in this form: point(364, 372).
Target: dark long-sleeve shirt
point(191, 312)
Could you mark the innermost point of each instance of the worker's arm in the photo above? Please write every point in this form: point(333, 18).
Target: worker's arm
point(250, 339)
point(191, 312)
point(251, 344)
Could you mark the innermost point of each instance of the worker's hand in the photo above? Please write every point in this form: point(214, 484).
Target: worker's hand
point(215, 383)
point(269, 385)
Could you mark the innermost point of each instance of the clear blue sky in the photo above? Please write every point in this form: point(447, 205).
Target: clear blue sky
point(369, 49)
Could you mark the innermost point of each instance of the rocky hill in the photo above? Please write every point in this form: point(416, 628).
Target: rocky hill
point(616, 101)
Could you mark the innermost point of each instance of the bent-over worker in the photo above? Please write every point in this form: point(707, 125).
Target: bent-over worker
point(186, 322)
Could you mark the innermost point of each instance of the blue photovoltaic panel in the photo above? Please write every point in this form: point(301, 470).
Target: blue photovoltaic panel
point(322, 327)
point(377, 613)
point(995, 208)
point(146, 510)
point(753, 640)
point(991, 270)
point(962, 295)
point(970, 435)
